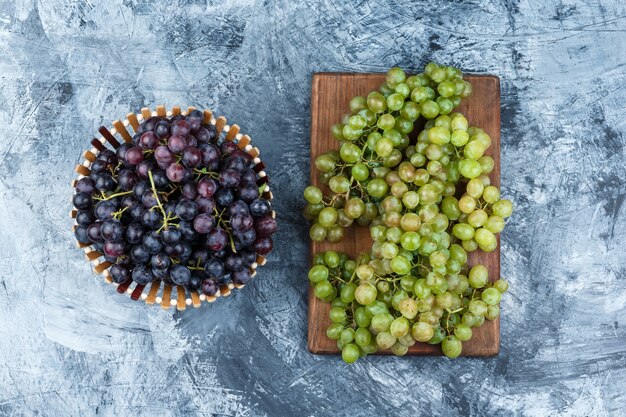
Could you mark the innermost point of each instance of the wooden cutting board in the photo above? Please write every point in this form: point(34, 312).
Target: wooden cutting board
point(330, 97)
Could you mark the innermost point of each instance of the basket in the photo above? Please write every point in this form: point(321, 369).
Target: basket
point(158, 292)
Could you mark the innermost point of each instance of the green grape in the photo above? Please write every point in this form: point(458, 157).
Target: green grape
point(399, 327)
point(445, 105)
point(501, 285)
point(389, 250)
point(463, 231)
point(486, 163)
point(313, 194)
point(468, 319)
point(349, 266)
point(451, 346)
point(325, 163)
point(357, 122)
point(420, 289)
point(477, 218)
point(478, 307)
point(478, 276)
point(361, 318)
point(332, 259)
point(376, 102)
point(410, 222)
point(338, 315)
point(350, 153)
point(357, 104)
point(403, 89)
point(467, 204)
point(365, 293)
point(410, 111)
point(376, 307)
point(491, 296)
point(339, 184)
point(410, 241)
point(318, 273)
point(475, 188)
point(350, 133)
point(486, 240)
point(407, 283)
point(401, 265)
point(491, 194)
point(429, 109)
point(408, 308)
point(327, 217)
point(474, 150)
point(347, 335)
point(382, 287)
point(459, 122)
point(458, 253)
point(323, 289)
point(469, 168)
point(502, 208)
point(395, 101)
point(334, 331)
point(459, 138)
point(384, 340)
point(337, 131)
point(347, 293)
point(482, 138)
point(362, 336)
point(317, 233)
point(469, 245)
point(377, 188)
point(404, 126)
point(386, 89)
point(421, 94)
point(342, 219)
point(398, 189)
point(492, 312)
point(384, 147)
point(386, 121)
point(395, 76)
point(494, 224)
point(381, 322)
point(399, 349)
point(350, 353)
point(360, 172)
point(438, 336)
point(318, 259)
point(355, 207)
point(422, 332)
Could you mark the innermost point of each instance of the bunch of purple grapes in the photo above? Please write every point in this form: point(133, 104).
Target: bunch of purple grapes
point(177, 204)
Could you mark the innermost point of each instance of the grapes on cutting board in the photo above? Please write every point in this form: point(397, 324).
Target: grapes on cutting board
point(179, 204)
point(427, 202)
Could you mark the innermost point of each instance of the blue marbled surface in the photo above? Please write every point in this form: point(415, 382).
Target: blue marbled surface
point(70, 346)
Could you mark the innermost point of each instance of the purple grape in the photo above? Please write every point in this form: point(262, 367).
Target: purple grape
point(239, 207)
point(105, 182)
point(136, 212)
point(119, 273)
point(81, 234)
point(196, 279)
point(163, 274)
point(180, 274)
point(203, 223)
point(98, 166)
point(187, 230)
point(152, 242)
point(263, 245)
point(85, 185)
point(134, 233)
point(229, 178)
point(113, 249)
point(149, 140)
point(139, 254)
point(162, 129)
point(259, 207)
point(93, 232)
point(192, 157)
point(142, 275)
point(249, 192)
point(112, 231)
point(104, 210)
point(82, 201)
point(150, 123)
point(160, 179)
point(236, 163)
point(84, 217)
point(127, 179)
point(177, 143)
point(186, 209)
point(249, 257)
point(217, 239)
point(144, 167)
point(242, 276)
point(209, 287)
point(207, 187)
point(199, 257)
point(214, 268)
point(171, 235)
point(205, 205)
point(228, 147)
point(148, 199)
point(134, 155)
point(160, 261)
point(190, 191)
point(210, 156)
point(152, 219)
point(192, 141)
point(175, 172)
point(265, 226)
point(241, 222)
point(107, 156)
point(140, 188)
point(175, 250)
point(163, 155)
point(224, 197)
point(248, 177)
point(180, 127)
point(246, 238)
point(234, 262)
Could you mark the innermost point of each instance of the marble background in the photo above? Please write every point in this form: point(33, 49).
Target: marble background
point(70, 346)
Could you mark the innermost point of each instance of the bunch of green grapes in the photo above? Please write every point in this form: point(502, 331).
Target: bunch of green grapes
point(416, 273)
point(373, 308)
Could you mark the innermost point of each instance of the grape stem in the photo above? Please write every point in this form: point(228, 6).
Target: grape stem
point(113, 196)
point(156, 195)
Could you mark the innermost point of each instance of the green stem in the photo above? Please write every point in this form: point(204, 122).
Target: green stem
point(113, 195)
point(156, 195)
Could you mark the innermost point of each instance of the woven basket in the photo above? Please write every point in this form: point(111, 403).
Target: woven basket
point(158, 292)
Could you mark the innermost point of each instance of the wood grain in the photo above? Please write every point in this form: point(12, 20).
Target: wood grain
point(330, 97)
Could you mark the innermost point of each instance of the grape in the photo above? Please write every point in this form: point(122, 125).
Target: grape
point(451, 346)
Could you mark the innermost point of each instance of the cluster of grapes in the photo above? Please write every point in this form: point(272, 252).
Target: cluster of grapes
point(176, 204)
point(415, 284)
